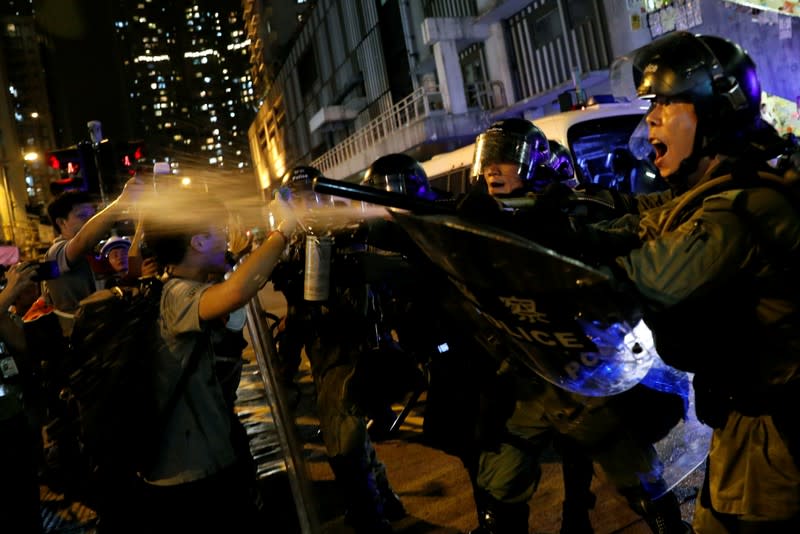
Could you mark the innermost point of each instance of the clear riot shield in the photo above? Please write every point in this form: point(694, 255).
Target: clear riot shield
point(564, 319)
point(685, 448)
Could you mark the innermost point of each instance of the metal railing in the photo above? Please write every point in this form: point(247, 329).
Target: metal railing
point(485, 95)
point(410, 109)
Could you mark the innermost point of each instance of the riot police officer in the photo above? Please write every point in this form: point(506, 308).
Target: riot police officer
point(425, 326)
point(514, 158)
point(342, 336)
point(399, 173)
point(709, 260)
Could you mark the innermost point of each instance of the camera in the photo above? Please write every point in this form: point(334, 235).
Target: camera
point(46, 270)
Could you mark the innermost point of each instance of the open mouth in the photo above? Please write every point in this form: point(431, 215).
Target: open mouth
point(659, 147)
point(495, 184)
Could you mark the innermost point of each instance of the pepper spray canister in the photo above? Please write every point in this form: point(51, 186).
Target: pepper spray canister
point(318, 267)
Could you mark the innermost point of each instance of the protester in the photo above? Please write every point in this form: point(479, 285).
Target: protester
point(19, 445)
point(115, 249)
point(79, 230)
point(197, 482)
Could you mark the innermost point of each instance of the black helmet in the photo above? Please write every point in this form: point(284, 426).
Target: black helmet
point(562, 163)
point(713, 73)
point(300, 178)
point(297, 184)
point(515, 141)
point(399, 173)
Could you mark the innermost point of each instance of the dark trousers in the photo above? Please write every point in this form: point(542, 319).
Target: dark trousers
point(19, 482)
point(219, 503)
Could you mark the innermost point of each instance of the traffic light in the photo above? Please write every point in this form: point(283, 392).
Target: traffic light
point(100, 169)
point(130, 156)
point(76, 168)
point(118, 162)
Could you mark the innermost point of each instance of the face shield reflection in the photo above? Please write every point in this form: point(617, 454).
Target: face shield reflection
point(308, 200)
point(639, 143)
point(409, 184)
point(493, 147)
point(623, 87)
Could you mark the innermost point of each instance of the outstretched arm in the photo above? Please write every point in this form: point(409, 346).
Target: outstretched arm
point(98, 226)
point(251, 275)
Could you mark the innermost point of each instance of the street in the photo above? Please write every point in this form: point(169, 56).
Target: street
point(436, 491)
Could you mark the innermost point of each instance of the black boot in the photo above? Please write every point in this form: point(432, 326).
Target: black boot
point(578, 470)
point(365, 512)
point(662, 515)
point(495, 517)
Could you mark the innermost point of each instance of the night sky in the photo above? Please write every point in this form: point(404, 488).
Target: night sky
point(84, 72)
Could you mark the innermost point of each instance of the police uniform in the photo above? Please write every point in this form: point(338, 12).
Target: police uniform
point(717, 267)
point(736, 296)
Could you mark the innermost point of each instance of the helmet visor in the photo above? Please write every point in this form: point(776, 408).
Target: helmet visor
point(496, 146)
point(306, 198)
point(639, 142)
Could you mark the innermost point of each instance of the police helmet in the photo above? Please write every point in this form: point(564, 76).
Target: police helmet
point(562, 163)
point(300, 178)
point(399, 173)
point(515, 141)
point(714, 74)
point(297, 186)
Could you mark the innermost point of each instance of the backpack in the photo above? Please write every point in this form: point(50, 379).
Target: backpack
point(113, 348)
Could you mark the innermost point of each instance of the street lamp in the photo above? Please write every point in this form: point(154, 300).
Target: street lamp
point(31, 156)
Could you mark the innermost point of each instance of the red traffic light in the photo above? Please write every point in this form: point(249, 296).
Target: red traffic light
point(53, 161)
point(67, 160)
point(131, 153)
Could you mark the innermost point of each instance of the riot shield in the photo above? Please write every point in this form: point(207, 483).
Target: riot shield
point(685, 448)
point(564, 319)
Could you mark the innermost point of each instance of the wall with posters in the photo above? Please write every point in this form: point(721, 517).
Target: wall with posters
point(773, 41)
point(771, 38)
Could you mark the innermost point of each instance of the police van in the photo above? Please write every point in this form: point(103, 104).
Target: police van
point(592, 134)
